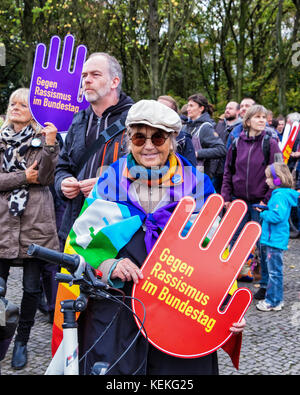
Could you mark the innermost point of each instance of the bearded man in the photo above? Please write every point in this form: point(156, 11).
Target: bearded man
point(99, 126)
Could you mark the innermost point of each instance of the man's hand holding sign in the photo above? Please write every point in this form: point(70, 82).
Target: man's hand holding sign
point(185, 285)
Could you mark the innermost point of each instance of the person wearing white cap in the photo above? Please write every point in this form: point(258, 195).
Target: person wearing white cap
point(152, 136)
point(138, 194)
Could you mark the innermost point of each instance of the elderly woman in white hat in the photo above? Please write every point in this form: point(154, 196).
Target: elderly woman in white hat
point(134, 197)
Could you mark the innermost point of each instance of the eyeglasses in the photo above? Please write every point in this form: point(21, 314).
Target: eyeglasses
point(157, 139)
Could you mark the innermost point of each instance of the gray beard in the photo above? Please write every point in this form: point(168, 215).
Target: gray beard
point(92, 98)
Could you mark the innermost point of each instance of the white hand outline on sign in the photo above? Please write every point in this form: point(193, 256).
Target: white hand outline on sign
point(68, 79)
point(219, 275)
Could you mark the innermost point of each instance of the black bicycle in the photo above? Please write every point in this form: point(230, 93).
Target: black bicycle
point(66, 359)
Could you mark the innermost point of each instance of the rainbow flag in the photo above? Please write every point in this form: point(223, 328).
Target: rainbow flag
point(100, 231)
point(110, 217)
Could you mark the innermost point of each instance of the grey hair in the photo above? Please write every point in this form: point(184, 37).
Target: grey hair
point(115, 69)
point(293, 117)
point(131, 129)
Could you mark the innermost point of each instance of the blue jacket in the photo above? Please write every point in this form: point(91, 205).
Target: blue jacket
point(275, 220)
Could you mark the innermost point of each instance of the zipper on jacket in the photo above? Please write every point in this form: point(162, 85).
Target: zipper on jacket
point(97, 135)
point(98, 126)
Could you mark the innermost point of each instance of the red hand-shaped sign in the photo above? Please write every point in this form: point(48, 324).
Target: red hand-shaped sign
point(185, 284)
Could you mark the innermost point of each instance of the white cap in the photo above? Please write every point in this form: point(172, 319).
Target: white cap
point(155, 114)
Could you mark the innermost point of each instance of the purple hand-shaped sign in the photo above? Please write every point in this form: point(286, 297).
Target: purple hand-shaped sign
point(54, 91)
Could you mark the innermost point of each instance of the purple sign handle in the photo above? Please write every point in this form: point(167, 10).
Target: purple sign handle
point(54, 92)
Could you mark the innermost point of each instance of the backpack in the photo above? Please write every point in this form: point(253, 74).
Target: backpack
point(265, 145)
point(197, 144)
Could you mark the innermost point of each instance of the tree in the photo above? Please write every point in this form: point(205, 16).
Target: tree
point(225, 49)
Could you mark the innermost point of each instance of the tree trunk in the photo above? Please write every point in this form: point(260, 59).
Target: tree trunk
point(225, 59)
point(176, 25)
point(27, 35)
point(153, 25)
point(241, 50)
point(133, 7)
point(281, 62)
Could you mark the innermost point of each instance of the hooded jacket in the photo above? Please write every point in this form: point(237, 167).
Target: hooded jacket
point(75, 145)
point(249, 181)
point(275, 220)
point(212, 146)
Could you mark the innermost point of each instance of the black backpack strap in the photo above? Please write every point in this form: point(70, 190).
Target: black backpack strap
point(106, 135)
point(266, 149)
point(233, 155)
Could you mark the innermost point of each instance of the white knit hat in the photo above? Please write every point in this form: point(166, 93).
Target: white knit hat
point(155, 114)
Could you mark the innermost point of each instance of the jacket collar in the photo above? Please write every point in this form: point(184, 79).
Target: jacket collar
point(244, 136)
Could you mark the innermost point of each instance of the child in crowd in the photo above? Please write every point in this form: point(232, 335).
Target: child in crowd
point(275, 236)
point(297, 167)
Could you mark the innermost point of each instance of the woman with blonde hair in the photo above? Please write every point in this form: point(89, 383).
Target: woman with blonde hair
point(28, 158)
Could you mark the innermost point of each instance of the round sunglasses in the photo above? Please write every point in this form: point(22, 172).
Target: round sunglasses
point(157, 139)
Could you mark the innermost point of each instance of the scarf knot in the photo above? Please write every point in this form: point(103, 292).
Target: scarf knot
point(154, 223)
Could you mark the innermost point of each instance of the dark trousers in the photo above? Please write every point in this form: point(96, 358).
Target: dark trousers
point(251, 215)
point(31, 293)
point(49, 284)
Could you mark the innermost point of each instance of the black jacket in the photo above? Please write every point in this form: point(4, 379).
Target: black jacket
point(212, 146)
point(185, 147)
point(74, 147)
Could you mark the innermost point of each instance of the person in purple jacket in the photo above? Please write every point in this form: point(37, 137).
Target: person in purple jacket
point(246, 179)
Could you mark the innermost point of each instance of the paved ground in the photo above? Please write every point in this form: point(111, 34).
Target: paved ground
point(271, 341)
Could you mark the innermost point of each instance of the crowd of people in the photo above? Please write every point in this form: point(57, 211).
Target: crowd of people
point(44, 181)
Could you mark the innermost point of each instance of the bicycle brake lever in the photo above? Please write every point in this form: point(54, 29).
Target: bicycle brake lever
point(92, 276)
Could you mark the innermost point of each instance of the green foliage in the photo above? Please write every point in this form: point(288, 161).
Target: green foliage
point(215, 47)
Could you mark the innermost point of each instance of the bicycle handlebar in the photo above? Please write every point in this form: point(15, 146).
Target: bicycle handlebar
point(68, 261)
point(87, 277)
point(75, 265)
